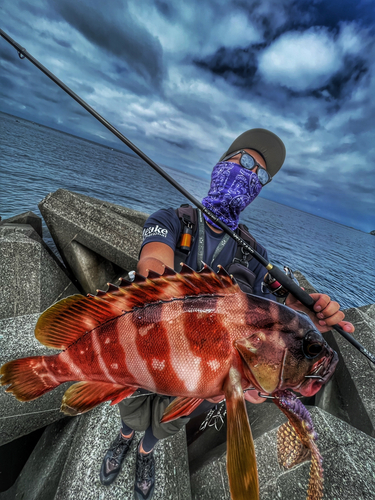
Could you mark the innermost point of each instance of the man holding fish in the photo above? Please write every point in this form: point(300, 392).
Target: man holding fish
point(190, 339)
point(245, 168)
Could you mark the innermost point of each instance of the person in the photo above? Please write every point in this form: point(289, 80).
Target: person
point(248, 165)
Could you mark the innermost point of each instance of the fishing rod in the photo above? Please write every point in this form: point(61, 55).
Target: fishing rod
point(274, 271)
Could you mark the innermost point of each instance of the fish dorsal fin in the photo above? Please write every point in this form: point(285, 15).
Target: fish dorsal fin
point(170, 285)
point(67, 320)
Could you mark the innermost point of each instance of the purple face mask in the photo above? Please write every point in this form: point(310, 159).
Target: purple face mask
point(232, 189)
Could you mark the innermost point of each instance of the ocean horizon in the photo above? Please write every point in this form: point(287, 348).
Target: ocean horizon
point(37, 160)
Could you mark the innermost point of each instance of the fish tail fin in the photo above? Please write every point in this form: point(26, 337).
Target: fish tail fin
point(29, 378)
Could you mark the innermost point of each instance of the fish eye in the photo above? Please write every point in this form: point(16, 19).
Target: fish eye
point(312, 345)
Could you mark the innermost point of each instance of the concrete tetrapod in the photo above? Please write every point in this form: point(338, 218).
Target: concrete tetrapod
point(98, 241)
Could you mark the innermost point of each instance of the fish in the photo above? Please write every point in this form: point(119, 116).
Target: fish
point(191, 335)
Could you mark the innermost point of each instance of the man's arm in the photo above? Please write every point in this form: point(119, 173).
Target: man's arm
point(154, 256)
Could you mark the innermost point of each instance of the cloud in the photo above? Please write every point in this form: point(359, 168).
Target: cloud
point(312, 123)
point(184, 80)
point(118, 33)
point(301, 60)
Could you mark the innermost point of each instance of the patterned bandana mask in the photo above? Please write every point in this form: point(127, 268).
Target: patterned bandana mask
point(232, 189)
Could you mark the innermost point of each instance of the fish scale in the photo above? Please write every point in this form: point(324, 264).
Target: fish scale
point(190, 335)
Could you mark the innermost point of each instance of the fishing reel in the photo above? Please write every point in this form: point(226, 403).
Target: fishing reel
point(273, 286)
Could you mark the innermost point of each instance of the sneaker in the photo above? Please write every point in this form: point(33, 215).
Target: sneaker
point(113, 459)
point(144, 476)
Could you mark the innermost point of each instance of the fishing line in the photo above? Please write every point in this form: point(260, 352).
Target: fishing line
point(274, 271)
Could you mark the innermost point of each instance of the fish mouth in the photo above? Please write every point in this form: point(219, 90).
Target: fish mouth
point(319, 375)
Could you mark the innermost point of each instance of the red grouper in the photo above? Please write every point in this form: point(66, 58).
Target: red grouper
point(190, 335)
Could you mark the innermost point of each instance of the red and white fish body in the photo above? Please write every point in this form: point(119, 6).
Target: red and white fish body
point(191, 335)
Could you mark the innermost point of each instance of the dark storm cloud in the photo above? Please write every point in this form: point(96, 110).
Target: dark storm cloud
point(181, 145)
point(342, 83)
point(63, 43)
point(335, 11)
point(237, 65)
point(312, 123)
point(115, 31)
point(295, 172)
point(184, 80)
point(55, 99)
point(166, 8)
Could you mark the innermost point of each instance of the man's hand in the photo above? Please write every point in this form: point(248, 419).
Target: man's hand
point(327, 312)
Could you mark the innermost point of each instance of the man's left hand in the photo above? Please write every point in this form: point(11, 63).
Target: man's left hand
point(327, 312)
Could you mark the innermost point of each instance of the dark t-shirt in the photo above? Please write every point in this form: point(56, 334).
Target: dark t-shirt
point(164, 226)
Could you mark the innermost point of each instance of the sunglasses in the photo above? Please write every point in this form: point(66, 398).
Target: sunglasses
point(248, 162)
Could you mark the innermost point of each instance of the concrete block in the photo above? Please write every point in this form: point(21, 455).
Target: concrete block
point(17, 340)
point(40, 477)
point(348, 461)
point(29, 218)
point(66, 462)
point(369, 310)
point(97, 240)
point(31, 278)
point(351, 393)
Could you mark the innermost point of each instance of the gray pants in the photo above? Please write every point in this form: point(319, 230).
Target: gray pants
point(140, 413)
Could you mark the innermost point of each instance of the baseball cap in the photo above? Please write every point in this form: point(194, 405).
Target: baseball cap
point(268, 144)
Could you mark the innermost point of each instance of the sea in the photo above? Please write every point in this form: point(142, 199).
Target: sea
point(36, 160)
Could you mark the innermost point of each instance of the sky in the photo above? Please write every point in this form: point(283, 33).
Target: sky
point(182, 80)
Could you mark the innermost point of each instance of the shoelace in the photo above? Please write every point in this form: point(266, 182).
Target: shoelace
point(116, 448)
point(145, 471)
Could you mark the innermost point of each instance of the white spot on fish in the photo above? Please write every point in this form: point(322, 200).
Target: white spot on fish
point(101, 362)
point(82, 352)
point(158, 365)
point(143, 330)
point(214, 364)
point(114, 366)
point(107, 340)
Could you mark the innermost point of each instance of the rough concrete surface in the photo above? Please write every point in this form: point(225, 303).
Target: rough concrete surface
point(352, 389)
point(65, 463)
point(97, 240)
point(348, 461)
point(369, 310)
point(17, 340)
point(350, 394)
point(26, 218)
point(31, 279)
point(39, 479)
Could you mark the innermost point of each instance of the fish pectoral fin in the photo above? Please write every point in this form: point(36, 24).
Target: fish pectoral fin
point(290, 449)
point(301, 426)
point(180, 407)
point(241, 459)
point(84, 396)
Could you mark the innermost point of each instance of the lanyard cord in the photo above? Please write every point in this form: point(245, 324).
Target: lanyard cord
point(201, 238)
